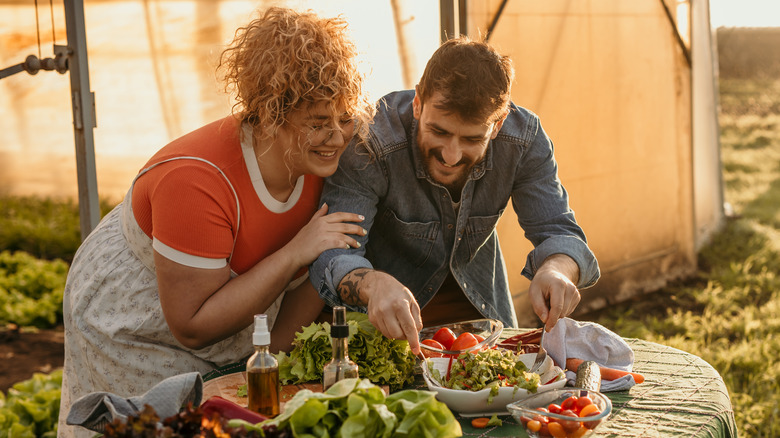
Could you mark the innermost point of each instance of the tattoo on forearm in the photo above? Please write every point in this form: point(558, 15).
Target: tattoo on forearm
point(349, 288)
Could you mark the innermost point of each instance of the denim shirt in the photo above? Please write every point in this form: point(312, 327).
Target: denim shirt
point(415, 233)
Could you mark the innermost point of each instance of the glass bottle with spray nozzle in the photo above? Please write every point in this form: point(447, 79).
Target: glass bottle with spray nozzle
point(340, 367)
point(262, 372)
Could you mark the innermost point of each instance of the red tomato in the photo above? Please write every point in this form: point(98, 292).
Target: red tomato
point(569, 403)
point(579, 433)
point(591, 424)
point(434, 344)
point(480, 339)
point(570, 425)
point(464, 341)
point(553, 408)
point(582, 402)
point(445, 337)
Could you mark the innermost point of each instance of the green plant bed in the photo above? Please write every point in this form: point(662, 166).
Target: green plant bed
point(30, 409)
point(44, 227)
point(31, 290)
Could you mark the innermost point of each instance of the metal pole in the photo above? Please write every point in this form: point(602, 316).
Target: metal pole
point(463, 28)
point(447, 20)
point(83, 101)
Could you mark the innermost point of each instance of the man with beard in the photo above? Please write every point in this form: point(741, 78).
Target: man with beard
point(432, 179)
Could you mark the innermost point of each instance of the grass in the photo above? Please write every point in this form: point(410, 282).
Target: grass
point(729, 312)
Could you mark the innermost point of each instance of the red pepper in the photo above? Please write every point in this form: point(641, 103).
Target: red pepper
point(552, 380)
point(530, 337)
point(228, 409)
point(449, 366)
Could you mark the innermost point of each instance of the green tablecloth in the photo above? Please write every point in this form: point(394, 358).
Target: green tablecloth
point(682, 396)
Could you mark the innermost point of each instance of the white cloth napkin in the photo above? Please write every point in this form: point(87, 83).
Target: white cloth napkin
point(94, 410)
point(590, 341)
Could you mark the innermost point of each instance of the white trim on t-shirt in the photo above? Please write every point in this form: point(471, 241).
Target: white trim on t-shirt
point(250, 160)
point(187, 259)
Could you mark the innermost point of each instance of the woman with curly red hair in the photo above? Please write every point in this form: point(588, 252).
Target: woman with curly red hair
point(221, 224)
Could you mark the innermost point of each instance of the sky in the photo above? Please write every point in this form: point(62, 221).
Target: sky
point(745, 13)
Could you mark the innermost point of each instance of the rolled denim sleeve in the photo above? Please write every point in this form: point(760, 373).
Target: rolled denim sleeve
point(571, 246)
point(542, 207)
point(329, 270)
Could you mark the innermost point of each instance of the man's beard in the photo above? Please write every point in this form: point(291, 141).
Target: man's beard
point(455, 186)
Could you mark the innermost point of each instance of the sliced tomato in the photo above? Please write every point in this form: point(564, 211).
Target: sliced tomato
point(582, 402)
point(569, 403)
point(464, 342)
point(445, 337)
point(431, 343)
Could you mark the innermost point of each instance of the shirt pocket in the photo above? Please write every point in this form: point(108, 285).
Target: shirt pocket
point(478, 230)
point(414, 241)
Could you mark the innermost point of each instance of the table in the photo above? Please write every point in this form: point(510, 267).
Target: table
point(682, 396)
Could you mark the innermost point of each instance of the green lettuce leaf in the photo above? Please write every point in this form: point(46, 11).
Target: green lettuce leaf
point(381, 360)
point(358, 408)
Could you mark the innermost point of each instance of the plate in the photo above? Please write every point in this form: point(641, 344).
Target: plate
point(475, 403)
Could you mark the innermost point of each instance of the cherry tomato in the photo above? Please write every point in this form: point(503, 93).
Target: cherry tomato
point(553, 408)
point(556, 430)
point(579, 432)
point(464, 342)
point(591, 424)
point(589, 411)
point(582, 402)
point(434, 344)
point(445, 337)
point(570, 425)
point(479, 338)
point(569, 403)
point(534, 426)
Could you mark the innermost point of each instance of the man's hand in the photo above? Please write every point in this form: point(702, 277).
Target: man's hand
point(391, 306)
point(553, 290)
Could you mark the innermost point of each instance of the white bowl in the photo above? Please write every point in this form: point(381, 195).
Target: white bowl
point(475, 403)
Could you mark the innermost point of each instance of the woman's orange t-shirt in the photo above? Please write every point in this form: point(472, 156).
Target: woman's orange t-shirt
point(188, 205)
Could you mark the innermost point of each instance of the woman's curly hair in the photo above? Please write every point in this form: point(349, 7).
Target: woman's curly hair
point(286, 60)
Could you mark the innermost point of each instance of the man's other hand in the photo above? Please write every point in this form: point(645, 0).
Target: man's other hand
point(553, 291)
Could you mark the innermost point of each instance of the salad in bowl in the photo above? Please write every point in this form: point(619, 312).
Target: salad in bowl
point(484, 382)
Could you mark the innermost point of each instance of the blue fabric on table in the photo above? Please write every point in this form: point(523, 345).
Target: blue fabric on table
point(94, 410)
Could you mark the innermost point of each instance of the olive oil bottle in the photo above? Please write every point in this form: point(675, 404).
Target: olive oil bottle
point(340, 367)
point(262, 372)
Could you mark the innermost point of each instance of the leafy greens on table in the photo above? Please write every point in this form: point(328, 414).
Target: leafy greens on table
point(355, 407)
point(381, 360)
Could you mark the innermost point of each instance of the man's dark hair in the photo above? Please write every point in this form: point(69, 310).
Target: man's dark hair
point(473, 78)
